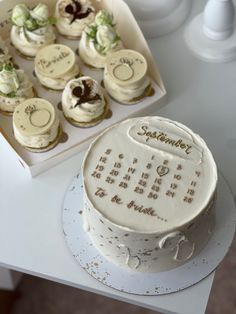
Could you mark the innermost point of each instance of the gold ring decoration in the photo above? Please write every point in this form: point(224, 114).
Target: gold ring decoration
point(38, 117)
point(123, 72)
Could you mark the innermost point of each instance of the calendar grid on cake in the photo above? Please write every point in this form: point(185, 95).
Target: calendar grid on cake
point(76, 139)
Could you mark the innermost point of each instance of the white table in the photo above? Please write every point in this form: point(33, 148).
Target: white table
point(202, 96)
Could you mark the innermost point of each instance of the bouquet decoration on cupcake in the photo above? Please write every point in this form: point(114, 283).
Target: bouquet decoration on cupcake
point(99, 39)
point(32, 29)
point(15, 87)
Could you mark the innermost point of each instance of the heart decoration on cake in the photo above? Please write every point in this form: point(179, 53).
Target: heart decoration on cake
point(162, 171)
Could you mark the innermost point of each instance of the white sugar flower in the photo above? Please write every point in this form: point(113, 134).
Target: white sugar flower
point(9, 82)
point(40, 13)
point(106, 36)
point(20, 14)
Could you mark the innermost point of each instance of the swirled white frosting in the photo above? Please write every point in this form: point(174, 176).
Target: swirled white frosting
point(58, 83)
point(5, 57)
point(87, 111)
point(30, 42)
point(24, 91)
point(90, 55)
point(64, 25)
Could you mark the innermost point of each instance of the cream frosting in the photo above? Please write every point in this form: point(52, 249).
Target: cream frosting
point(65, 24)
point(20, 85)
point(35, 123)
point(88, 110)
point(149, 186)
point(30, 42)
point(90, 55)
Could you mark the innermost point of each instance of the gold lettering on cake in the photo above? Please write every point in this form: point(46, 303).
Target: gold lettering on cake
point(96, 175)
point(165, 162)
point(177, 177)
point(163, 137)
point(135, 160)
point(155, 188)
point(123, 185)
point(121, 156)
point(138, 190)
point(116, 199)
point(114, 173)
point(103, 159)
point(198, 173)
point(99, 168)
point(110, 180)
point(173, 186)
point(141, 209)
point(108, 151)
point(145, 175)
point(170, 193)
point(193, 183)
point(149, 166)
point(158, 181)
point(131, 170)
point(188, 199)
point(44, 63)
point(126, 177)
point(117, 165)
point(142, 183)
point(191, 192)
point(179, 167)
point(152, 195)
point(100, 192)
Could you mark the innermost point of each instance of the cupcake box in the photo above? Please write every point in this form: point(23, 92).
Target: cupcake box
point(74, 140)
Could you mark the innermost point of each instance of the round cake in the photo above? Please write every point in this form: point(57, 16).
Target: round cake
point(36, 125)
point(125, 76)
point(149, 191)
point(55, 65)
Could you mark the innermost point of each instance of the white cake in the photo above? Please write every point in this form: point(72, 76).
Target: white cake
point(149, 191)
point(36, 125)
point(55, 66)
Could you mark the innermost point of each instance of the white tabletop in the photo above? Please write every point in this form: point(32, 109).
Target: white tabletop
point(202, 96)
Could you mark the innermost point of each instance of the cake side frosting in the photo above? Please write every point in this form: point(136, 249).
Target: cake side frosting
point(35, 123)
point(149, 188)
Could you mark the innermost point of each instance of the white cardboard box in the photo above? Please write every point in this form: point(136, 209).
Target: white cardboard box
point(79, 139)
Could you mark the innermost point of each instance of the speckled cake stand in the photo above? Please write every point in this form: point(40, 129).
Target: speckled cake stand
point(134, 282)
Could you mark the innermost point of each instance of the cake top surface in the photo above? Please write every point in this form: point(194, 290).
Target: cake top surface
point(126, 66)
point(149, 174)
point(34, 116)
point(55, 60)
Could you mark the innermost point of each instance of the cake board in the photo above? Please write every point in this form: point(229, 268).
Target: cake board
point(133, 282)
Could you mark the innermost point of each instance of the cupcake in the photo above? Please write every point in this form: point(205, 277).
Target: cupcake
point(72, 17)
point(15, 87)
point(125, 76)
point(55, 65)
point(83, 102)
point(5, 57)
point(99, 39)
point(36, 126)
point(31, 29)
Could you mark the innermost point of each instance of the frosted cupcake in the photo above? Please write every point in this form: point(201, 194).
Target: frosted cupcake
point(36, 126)
point(72, 17)
point(83, 102)
point(99, 40)
point(55, 65)
point(125, 76)
point(5, 57)
point(15, 87)
point(31, 29)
